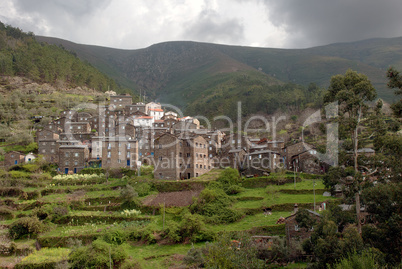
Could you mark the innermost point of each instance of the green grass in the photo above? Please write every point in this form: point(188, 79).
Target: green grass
point(281, 198)
point(46, 255)
point(156, 256)
point(249, 222)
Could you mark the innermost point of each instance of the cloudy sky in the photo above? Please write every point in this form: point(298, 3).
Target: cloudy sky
point(133, 24)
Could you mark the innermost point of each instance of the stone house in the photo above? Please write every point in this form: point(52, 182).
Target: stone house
point(263, 159)
point(119, 152)
point(13, 158)
point(302, 157)
point(237, 159)
point(131, 109)
point(296, 234)
point(78, 128)
point(180, 157)
point(49, 148)
point(46, 134)
point(120, 101)
point(72, 158)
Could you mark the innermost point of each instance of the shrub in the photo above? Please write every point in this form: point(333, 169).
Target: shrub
point(142, 188)
point(6, 213)
point(115, 236)
point(93, 171)
point(128, 194)
point(215, 205)
point(234, 189)
point(26, 226)
point(96, 255)
point(18, 174)
point(42, 176)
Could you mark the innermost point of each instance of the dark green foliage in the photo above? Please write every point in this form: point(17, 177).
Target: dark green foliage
point(115, 236)
point(304, 219)
point(96, 255)
point(395, 81)
point(142, 188)
point(194, 258)
point(215, 204)
point(228, 253)
point(384, 203)
point(367, 259)
point(10, 191)
point(46, 63)
point(26, 226)
point(190, 228)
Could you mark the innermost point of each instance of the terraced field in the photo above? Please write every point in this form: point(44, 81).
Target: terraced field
point(76, 210)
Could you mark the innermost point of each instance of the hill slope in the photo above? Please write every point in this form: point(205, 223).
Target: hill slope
point(181, 72)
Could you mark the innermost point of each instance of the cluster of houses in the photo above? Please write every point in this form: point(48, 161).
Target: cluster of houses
point(124, 134)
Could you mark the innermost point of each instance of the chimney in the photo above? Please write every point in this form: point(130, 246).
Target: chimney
point(295, 209)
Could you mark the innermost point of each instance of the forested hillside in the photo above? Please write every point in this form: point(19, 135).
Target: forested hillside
point(22, 55)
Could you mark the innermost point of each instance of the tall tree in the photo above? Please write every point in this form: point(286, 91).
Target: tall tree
point(352, 91)
point(395, 81)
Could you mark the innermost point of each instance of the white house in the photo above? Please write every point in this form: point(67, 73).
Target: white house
point(156, 113)
point(30, 157)
point(144, 121)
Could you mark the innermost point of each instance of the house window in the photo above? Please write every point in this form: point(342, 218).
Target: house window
point(210, 148)
point(180, 154)
point(66, 163)
point(188, 154)
point(210, 142)
point(196, 155)
point(76, 154)
point(160, 146)
point(67, 154)
point(196, 174)
point(119, 152)
point(233, 141)
point(160, 175)
point(109, 154)
point(196, 166)
point(52, 151)
point(128, 146)
point(43, 150)
point(296, 227)
point(196, 145)
point(188, 166)
point(119, 161)
point(160, 158)
point(210, 155)
point(205, 167)
point(75, 163)
point(79, 127)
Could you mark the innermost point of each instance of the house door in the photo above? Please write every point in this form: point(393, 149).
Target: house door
point(15, 162)
point(66, 170)
point(128, 163)
point(75, 170)
point(188, 176)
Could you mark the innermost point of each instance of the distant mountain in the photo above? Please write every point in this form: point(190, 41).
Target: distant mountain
point(181, 73)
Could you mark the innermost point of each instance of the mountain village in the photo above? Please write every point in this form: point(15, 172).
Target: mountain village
point(127, 135)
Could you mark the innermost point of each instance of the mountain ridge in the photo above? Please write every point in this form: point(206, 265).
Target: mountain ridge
point(164, 69)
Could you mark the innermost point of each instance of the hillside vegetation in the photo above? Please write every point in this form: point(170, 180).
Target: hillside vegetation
point(21, 55)
point(182, 72)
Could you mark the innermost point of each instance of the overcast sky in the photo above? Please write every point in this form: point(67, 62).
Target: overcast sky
point(133, 24)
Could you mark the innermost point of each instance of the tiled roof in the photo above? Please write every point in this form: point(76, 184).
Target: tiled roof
point(156, 109)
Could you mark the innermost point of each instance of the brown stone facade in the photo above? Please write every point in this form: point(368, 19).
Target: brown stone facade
point(13, 158)
point(120, 101)
point(119, 152)
point(72, 158)
point(49, 148)
point(180, 157)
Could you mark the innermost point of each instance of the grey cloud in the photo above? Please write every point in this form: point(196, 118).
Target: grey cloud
point(318, 22)
point(209, 26)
